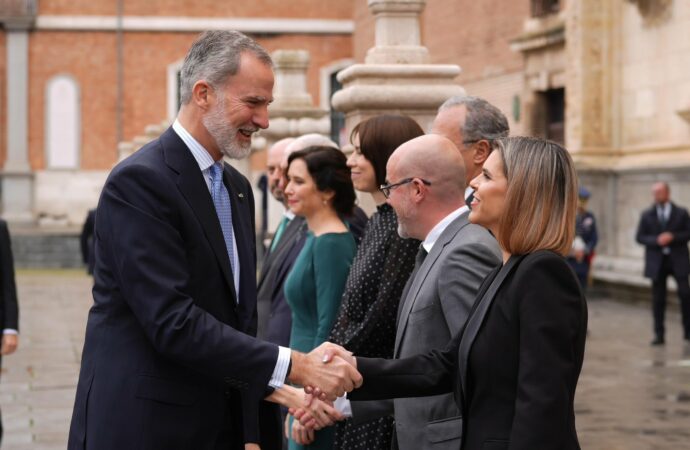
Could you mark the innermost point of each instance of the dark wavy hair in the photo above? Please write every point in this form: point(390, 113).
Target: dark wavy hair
point(327, 167)
point(379, 136)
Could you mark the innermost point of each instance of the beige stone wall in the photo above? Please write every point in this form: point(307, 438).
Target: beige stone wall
point(500, 90)
point(655, 79)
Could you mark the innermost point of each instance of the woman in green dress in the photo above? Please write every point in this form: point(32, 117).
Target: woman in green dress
point(319, 189)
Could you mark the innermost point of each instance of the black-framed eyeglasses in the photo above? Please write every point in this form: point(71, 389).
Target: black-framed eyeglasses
point(386, 188)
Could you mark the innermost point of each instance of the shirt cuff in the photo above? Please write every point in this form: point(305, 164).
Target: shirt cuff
point(10, 331)
point(280, 372)
point(343, 406)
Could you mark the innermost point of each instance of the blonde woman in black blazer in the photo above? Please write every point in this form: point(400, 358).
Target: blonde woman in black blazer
point(515, 366)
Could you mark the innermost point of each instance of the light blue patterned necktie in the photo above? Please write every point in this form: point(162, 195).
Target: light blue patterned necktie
point(221, 200)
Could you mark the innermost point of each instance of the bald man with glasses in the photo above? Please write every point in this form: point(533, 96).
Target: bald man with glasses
point(425, 185)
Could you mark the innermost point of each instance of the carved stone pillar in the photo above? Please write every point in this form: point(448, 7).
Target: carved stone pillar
point(17, 176)
point(589, 87)
point(396, 76)
point(293, 112)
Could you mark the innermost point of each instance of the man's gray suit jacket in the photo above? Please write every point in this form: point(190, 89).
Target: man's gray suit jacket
point(435, 308)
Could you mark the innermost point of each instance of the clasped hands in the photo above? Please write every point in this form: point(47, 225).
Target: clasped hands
point(664, 238)
point(327, 372)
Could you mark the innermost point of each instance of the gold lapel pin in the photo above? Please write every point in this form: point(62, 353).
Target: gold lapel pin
point(240, 195)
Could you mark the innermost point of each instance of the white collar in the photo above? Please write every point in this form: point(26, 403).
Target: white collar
point(201, 155)
point(440, 227)
point(468, 191)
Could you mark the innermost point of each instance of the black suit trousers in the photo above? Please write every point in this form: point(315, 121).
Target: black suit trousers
point(659, 298)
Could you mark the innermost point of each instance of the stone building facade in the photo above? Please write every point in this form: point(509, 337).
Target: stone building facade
point(609, 78)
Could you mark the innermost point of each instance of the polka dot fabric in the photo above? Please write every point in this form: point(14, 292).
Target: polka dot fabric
point(366, 320)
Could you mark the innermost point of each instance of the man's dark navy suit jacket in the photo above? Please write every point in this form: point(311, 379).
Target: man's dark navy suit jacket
point(168, 361)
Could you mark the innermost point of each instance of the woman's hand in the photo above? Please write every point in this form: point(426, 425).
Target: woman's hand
point(301, 434)
point(317, 414)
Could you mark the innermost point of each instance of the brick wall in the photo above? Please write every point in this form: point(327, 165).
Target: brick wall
point(90, 57)
point(341, 9)
point(475, 35)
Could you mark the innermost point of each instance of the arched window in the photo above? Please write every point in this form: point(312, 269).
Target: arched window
point(329, 86)
point(174, 89)
point(541, 8)
point(63, 123)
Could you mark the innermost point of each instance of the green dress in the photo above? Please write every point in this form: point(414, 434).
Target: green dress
point(313, 290)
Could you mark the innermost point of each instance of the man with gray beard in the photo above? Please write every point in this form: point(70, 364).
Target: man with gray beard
point(169, 361)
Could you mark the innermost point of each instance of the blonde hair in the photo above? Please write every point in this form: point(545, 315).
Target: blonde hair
point(541, 200)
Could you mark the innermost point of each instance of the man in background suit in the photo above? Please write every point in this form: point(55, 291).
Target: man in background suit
point(471, 123)
point(426, 188)
point(664, 230)
point(86, 240)
point(274, 315)
point(276, 248)
point(9, 309)
point(169, 360)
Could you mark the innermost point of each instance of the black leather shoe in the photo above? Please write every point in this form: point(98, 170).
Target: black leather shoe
point(658, 341)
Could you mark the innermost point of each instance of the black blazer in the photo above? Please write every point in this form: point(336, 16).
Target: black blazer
point(274, 312)
point(515, 366)
point(9, 310)
point(168, 361)
point(650, 228)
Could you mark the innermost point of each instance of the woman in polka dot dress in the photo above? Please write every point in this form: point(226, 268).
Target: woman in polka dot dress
point(366, 320)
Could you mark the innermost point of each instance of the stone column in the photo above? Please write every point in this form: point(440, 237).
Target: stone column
point(589, 87)
point(17, 177)
point(396, 76)
point(292, 113)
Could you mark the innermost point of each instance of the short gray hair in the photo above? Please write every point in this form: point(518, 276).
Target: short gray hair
point(214, 56)
point(483, 120)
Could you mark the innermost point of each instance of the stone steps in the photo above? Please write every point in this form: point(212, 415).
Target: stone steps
point(46, 249)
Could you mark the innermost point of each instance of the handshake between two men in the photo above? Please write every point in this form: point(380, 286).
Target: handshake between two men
point(326, 373)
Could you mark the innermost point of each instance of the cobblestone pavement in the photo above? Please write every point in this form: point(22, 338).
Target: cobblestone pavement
point(630, 396)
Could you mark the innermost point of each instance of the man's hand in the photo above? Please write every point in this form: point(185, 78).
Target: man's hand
point(9, 344)
point(664, 238)
point(252, 447)
point(329, 368)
